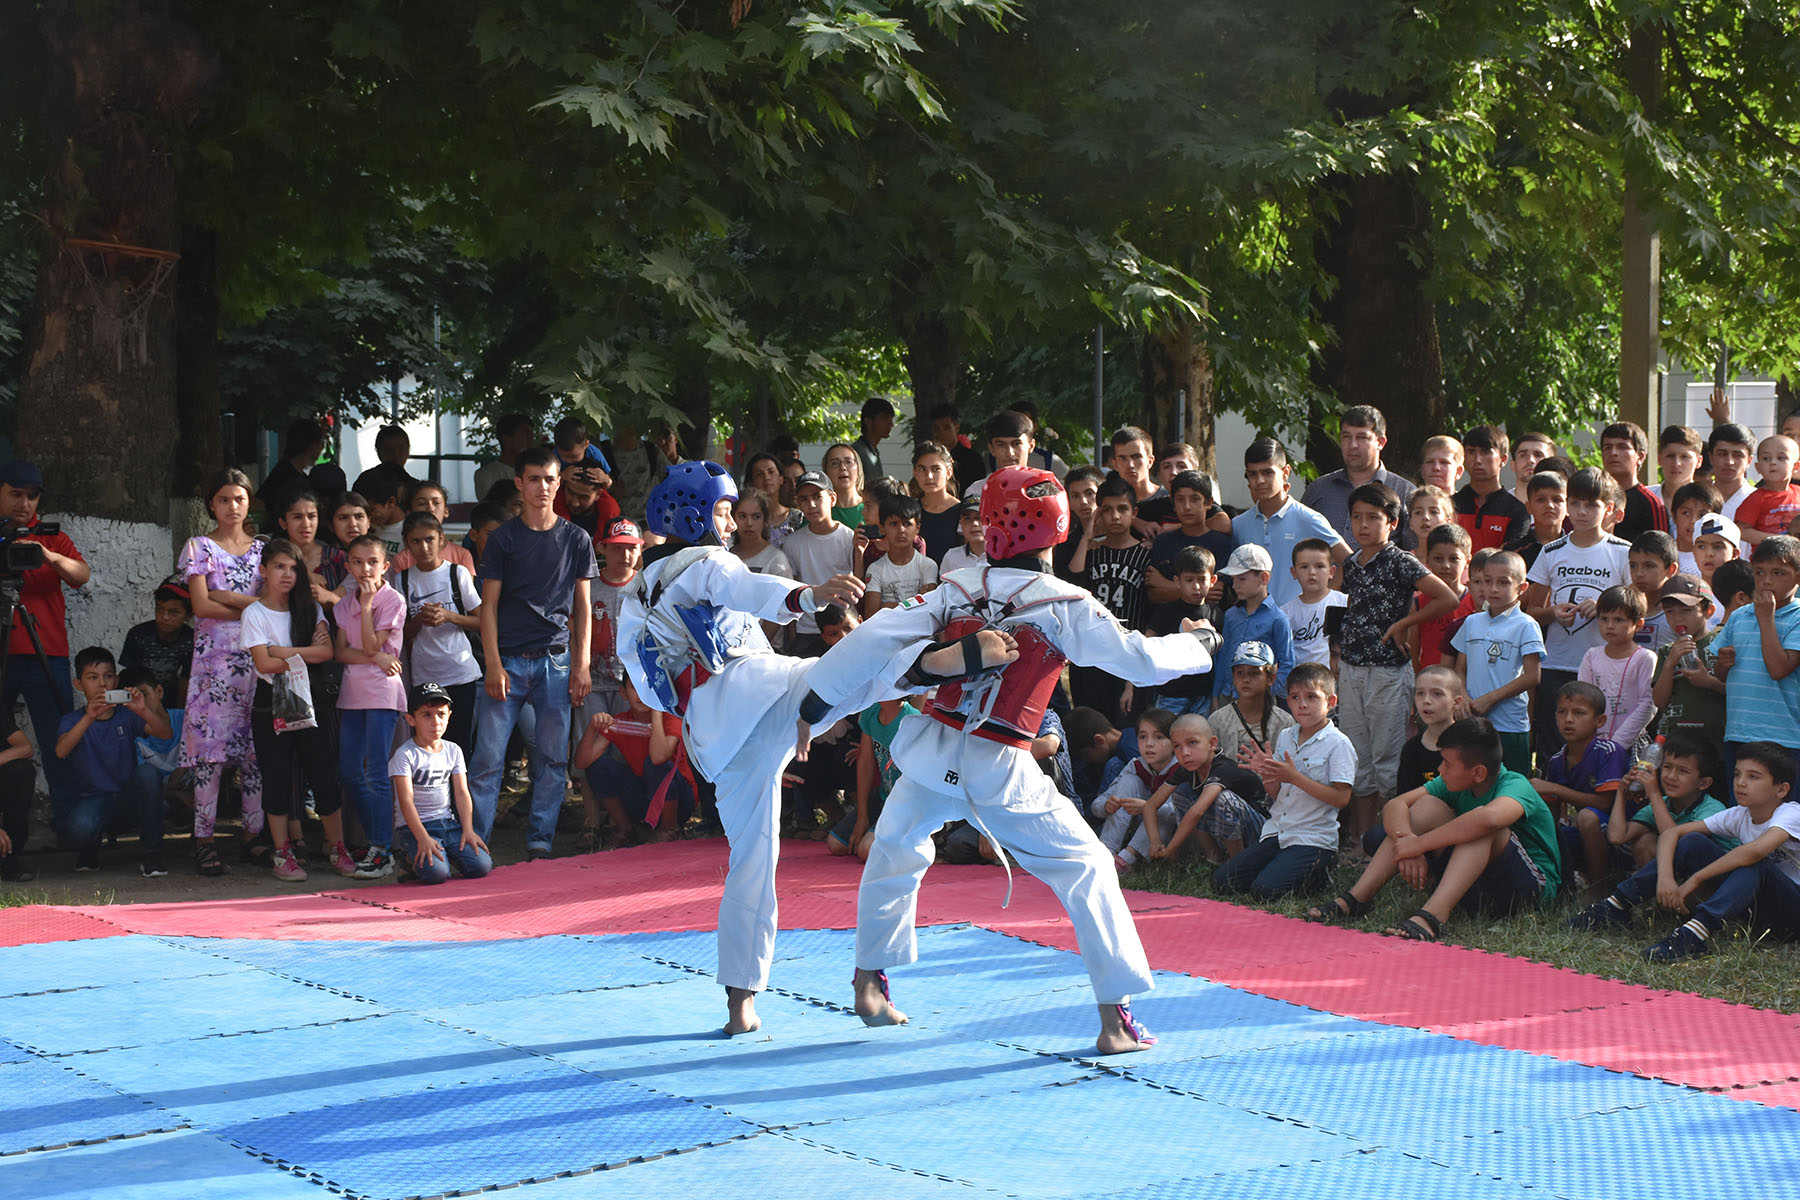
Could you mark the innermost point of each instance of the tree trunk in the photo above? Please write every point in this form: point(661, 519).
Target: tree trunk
point(1375, 241)
point(934, 361)
point(1180, 390)
point(123, 79)
point(201, 449)
point(692, 396)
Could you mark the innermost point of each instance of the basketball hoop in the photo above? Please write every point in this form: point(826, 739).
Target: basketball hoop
point(119, 297)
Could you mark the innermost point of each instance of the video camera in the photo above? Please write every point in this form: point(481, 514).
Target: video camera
point(19, 555)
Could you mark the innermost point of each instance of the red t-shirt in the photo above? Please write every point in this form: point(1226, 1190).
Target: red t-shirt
point(630, 732)
point(1434, 636)
point(41, 592)
point(1769, 510)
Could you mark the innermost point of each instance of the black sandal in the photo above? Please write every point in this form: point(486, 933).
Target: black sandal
point(207, 860)
point(1342, 907)
point(1411, 929)
point(257, 852)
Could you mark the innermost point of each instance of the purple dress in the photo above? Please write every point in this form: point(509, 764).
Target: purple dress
point(216, 728)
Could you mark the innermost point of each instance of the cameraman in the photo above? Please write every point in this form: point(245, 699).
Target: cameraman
point(41, 592)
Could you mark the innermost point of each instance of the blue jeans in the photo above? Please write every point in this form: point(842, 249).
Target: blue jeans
point(470, 864)
point(611, 776)
point(46, 700)
point(1759, 892)
point(85, 821)
point(364, 737)
point(543, 682)
point(1266, 870)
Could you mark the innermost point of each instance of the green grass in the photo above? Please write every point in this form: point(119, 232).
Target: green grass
point(1743, 969)
point(24, 897)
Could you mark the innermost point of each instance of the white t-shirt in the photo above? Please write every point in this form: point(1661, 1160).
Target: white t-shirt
point(1296, 817)
point(958, 557)
point(439, 653)
point(1308, 621)
point(259, 625)
point(1735, 822)
point(430, 774)
point(1575, 575)
point(770, 561)
point(897, 582)
point(1736, 500)
point(815, 558)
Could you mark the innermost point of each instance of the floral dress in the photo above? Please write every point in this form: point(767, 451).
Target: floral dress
point(216, 728)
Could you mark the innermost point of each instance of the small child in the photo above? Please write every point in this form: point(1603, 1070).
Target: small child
point(903, 572)
point(1652, 561)
point(1251, 719)
point(1136, 783)
point(164, 646)
point(1581, 777)
point(1692, 700)
point(1693, 502)
point(1565, 584)
point(1760, 878)
point(1624, 671)
point(371, 621)
point(1674, 794)
point(1374, 677)
point(620, 549)
point(1099, 749)
point(1504, 861)
point(1758, 651)
point(1716, 542)
point(1733, 586)
point(854, 832)
point(1316, 615)
point(1448, 555)
point(1252, 619)
point(443, 608)
point(1547, 499)
point(973, 551)
point(1498, 657)
point(434, 816)
point(1428, 507)
point(1439, 699)
point(1193, 567)
point(632, 768)
point(1111, 561)
point(1313, 767)
point(1206, 798)
point(821, 549)
point(160, 753)
point(101, 737)
point(1776, 501)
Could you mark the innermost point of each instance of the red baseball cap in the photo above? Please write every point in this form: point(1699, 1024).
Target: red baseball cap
point(620, 531)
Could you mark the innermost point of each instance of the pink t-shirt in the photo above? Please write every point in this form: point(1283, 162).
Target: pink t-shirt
point(1625, 682)
point(365, 685)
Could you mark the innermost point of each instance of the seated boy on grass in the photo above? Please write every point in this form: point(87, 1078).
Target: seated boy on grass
point(1207, 799)
point(1478, 837)
point(1677, 793)
point(1758, 879)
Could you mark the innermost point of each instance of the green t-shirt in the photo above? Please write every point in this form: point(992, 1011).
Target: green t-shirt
point(1693, 710)
point(883, 737)
point(1536, 830)
point(1703, 808)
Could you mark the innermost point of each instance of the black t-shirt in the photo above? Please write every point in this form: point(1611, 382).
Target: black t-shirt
point(1167, 545)
point(537, 570)
point(942, 532)
point(1166, 619)
point(1643, 513)
point(1418, 766)
point(168, 661)
point(1246, 783)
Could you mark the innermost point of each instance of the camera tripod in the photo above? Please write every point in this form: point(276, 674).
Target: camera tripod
point(14, 614)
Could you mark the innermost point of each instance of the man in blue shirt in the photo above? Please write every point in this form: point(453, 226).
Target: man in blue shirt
point(1362, 434)
point(1276, 521)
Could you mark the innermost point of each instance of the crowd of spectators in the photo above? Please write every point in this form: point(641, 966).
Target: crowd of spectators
point(1495, 692)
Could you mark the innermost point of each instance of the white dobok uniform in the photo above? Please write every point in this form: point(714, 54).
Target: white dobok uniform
point(987, 775)
point(691, 639)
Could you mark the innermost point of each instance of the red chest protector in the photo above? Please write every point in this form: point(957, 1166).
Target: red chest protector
point(1015, 711)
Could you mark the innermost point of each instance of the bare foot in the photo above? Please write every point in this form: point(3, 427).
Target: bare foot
point(1119, 1034)
point(872, 1003)
point(741, 1004)
point(997, 649)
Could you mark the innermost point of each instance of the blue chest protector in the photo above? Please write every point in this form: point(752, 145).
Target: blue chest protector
point(685, 643)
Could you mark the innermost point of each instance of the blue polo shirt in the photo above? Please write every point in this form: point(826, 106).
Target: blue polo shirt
point(1292, 524)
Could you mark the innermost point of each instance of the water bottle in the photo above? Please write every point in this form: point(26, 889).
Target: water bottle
point(1648, 762)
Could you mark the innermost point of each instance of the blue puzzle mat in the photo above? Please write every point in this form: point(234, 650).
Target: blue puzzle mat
point(568, 1068)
